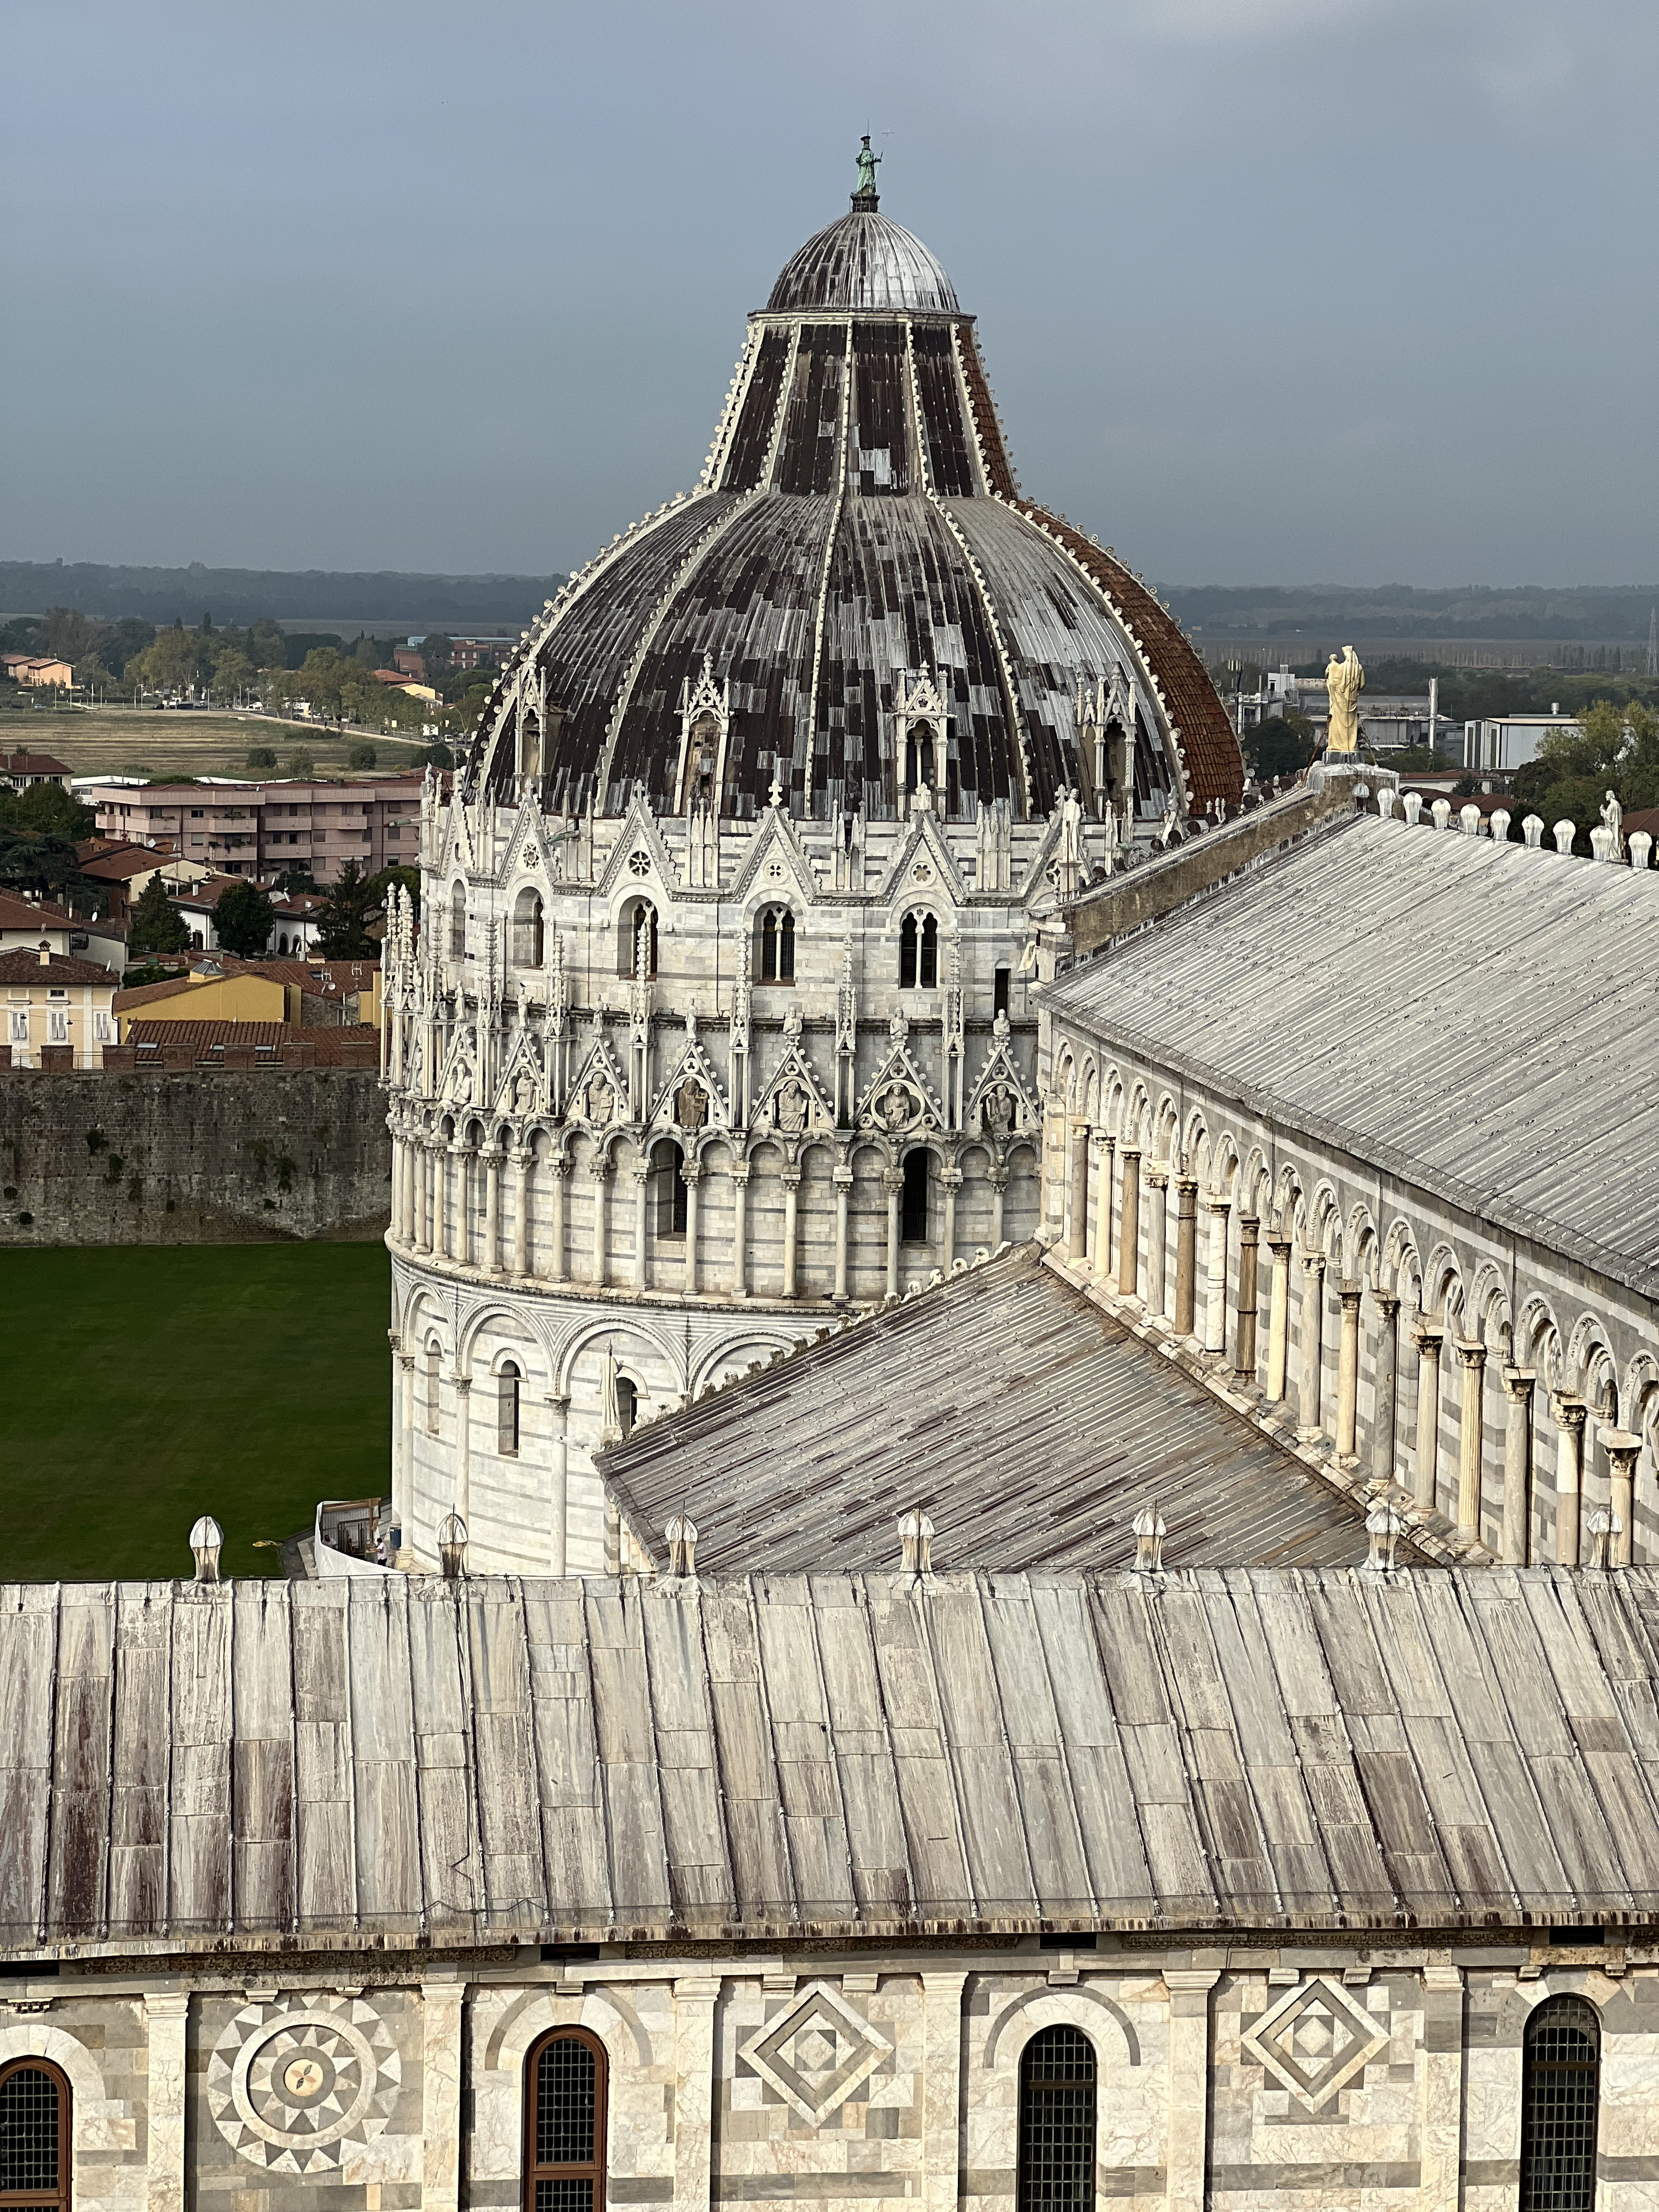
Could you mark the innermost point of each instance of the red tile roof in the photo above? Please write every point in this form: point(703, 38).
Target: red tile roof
point(23, 966)
point(22, 763)
point(26, 914)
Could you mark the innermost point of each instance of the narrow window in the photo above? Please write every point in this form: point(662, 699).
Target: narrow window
point(777, 945)
point(913, 1209)
point(564, 2124)
point(1000, 983)
point(637, 933)
point(458, 922)
point(506, 1411)
point(432, 1359)
point(769, 946)
point(907, 954)
point(928, 976)
point(627, 1405)
point(1057, 2123)
point(35, 2135)
point(787, 947)
point(669, 1162)
point(528, 927)
point(1560, 2090)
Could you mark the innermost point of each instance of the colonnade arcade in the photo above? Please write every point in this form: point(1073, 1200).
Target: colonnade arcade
point(1417, 1347)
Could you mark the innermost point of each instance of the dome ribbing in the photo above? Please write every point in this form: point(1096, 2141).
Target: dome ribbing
point(864, 262)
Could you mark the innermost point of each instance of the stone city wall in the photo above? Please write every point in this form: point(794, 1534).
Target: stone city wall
point(1312, 2077)
point(199, 1157)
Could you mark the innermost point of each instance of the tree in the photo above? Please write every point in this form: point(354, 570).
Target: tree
point(409, 877)
point(169, 664)
point(300, 765)
point(262, 756)
point(343, 925)
point(242, 919)
point(435, 651)
point(67, 632)
point(438, 755)
point(232, 671)
point(1278, 747)
point(157, 924)
point(360, 757)
point(266, 644)
point(49, 809)
point(289, 881)
point(1612, 747)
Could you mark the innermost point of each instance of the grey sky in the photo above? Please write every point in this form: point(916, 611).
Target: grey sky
point(1271, 290)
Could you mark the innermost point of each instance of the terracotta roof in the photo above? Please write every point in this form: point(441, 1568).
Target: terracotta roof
point(23, 966)
point(131, 860)
point(22, 763)
point(25, 913)
point(209, 1037)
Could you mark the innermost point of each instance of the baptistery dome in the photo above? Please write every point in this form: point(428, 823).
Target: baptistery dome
point(859, 527)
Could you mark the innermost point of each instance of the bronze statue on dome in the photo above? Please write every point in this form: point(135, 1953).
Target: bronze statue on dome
point(867, 161)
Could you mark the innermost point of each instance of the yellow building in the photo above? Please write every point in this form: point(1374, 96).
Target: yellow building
point(234, 998)
point(59, 1010)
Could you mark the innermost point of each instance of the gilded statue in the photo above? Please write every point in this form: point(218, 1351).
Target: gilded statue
point(1344, 679)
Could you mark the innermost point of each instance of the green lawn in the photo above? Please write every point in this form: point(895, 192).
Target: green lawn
point(147, 1385)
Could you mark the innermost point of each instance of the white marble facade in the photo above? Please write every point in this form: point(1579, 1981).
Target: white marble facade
point(1314, 2076)
point(666, 1096)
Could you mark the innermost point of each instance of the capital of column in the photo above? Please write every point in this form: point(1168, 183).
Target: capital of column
point(740, 1175)
point(1314, 1264)
point(1351, 1293)
point(167, 2004)
point(1429, 1337)
point(691, 1173)
point(462, 1382)
point(892, 1181)
point(841, 1178)
point(1387, 1304)
point(1621, 1447)
point(640, 1170)
point(951, 1178)
point(1280, 1247)
point(790, 1178)
point(559, 1165)
point(602, 1167)
point(1571, 1412)
point(1518, 1383)
point(1218, 1205)
point(406, 1361)
point(1157, 1177)
point(1250, 1229)
point(1472, 1351)
point(1187, 1185)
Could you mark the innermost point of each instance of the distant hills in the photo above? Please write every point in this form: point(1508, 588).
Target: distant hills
point(1598, 614)
point(246, 595)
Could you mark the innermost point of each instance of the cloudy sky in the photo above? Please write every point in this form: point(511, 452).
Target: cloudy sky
point(1271, 290)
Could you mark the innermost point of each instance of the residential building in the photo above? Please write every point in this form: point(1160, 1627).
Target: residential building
point(409, 659)
point(19, 768)
point(480, 652)
point(123, 871)
point(40, 671)
point(261, 828)
point(163, 1040)
point(59, 1010)
point(396, 680)
point(1507, 741)
point(238, 994)
point(26, 920)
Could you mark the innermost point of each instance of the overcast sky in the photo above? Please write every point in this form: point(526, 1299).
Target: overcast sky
point(1270, 290)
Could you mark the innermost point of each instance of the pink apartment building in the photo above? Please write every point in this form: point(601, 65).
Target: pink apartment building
point(260, 828)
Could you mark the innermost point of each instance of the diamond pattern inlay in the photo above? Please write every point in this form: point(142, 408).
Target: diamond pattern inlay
point(816, 2052)
point(1315, 2041)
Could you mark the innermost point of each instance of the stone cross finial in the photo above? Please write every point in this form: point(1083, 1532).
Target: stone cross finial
point(1150, 1529)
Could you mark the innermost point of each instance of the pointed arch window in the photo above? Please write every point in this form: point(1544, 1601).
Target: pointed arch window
point(1560, 2092)
point(919, 756)
point(919, 952)
point(458, 922)
point(567, 2093)
point(34, 2135)
point(1057, 2123)
point(636, 932)
point(777, 945)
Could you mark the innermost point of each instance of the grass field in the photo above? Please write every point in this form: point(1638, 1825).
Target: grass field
point(133, 740)
point(145, 1385)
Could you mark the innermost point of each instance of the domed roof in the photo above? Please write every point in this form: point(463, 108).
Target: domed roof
point(858, 543)
point(864, 262)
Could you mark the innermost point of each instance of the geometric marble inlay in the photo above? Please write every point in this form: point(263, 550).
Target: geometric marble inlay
point(290, 2085)
point(1314, 2040)
point(816, 2053)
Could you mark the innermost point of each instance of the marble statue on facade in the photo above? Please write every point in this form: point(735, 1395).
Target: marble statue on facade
point(691, 1105)
point(794, 1109)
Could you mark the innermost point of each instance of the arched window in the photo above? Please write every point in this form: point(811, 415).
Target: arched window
point(529, 746)
point(919, 756)
point(1560, 2091)
point(913, 1207)
point(702, 761)
point(919, 952)
point(1001, 987)
point(928, 971)
point(1057, 2123)
point(636, 929)
point(668, 1173)
point(458, 922)
point(565, 2095)
point(35, 2135)
point(506, 1411)
point(628, 1404)
point(433, 1356)
point(529, 929)
point(777, 945)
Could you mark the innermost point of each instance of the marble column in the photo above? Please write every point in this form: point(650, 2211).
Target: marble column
point(1384, 1425)
point(1518, 1382)
point(1244, 1327)
point(1215, 1278)
point(601, 1172)
point(893, 1182)
point(464, 1447)
point(1128, 1224)
point(1103, 1208)
point(694, 2000)
point(167, 2018)
point(941, 2089)
point(999, 1195)
point(1429, 1337)
point(791, 1228)
point(559, 1485)
point(842, 1179)
point(1471, 1433)
point(1347, 1373)
point(1622, 1446)
point(1441, 2124)
point(740, 1232)
point(1311, 1361)
point(524, 1161)
point(1186, 1253)
point(1278, 1317)
point(1076, 1180)
point(443, 2018)
point(402, 1487)
point(640, 1171)
point(693, 1179)
point(1570, 1412)
point(950, 1182)
point(422, 1199)
point(558, 1269)
point(492, 1235)
point(1187, 2149)
point(1157, 1241)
